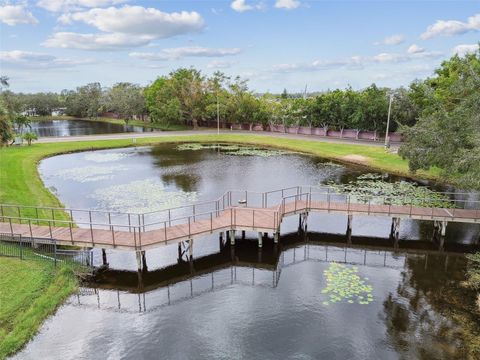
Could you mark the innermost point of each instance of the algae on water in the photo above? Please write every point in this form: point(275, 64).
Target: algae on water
point(367, 186)
point(234, 150)
point(345, 284)
point(141, 196)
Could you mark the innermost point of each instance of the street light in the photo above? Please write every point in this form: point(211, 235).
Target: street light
point(387, 139)
point(218, 116)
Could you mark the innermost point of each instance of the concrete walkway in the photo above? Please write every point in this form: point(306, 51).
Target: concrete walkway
point(160, 134)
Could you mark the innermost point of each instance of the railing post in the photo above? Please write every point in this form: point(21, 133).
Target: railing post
point(11, 227)
point(19, 214)
point(369, 200)
point(211, 223)
point(189, 232)
point(143, 222)
point(193, 212)
point(1, 211)
point(30, 227)
point(165, 227)
point(36, 212)
point(109, 221)
point(169, 219)
point(113, 236)
point(253, 219)
point(140, 236)
point(71, 232)
point(53, 217)
point(129, 223)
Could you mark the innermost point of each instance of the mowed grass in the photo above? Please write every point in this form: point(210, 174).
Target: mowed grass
point(30, 291)
point(20, 181)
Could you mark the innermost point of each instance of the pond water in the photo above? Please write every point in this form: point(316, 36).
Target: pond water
point(310, 297)
point(46, 128)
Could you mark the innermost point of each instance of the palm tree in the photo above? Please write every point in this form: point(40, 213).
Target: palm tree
point(29, 137)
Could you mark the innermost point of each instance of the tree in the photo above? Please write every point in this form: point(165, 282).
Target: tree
point(447, 134)
point(29, 137)
point(126, 99)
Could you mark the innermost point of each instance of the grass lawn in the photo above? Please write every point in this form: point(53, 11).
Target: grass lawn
point(21, 184)
point(172, 127)
point(30, 292)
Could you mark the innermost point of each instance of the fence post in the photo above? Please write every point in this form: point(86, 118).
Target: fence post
point(1, 211)
point(19, 214)
point(21, 247)
point(91, 228)
point(55, 251)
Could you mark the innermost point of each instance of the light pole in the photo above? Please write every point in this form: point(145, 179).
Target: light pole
point(218, 116)
point(387, 140)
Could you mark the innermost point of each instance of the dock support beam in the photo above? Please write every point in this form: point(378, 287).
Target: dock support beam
point(395, 230)
point(243, 234)
point(349, 223)
point(104, 258)
point(232, 237)
point(141, 260)
point(276, 236)
point(260, 239)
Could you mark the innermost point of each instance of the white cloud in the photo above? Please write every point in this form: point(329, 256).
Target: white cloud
point(452, 27)
point(242, 6)
point(415, 49)
point(16, 14)
point(464, 49)
point(189, 51)
point(116, 41)
point(392, 40)
point(74, 5)
point(27, 59)
point(124, 27)
point(356, 62)
point(137, 20)
point(287, 4)
point(220, 64)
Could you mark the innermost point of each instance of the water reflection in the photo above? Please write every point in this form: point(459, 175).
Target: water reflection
point(45, 128)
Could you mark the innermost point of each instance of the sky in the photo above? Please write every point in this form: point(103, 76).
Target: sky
point(50, 45)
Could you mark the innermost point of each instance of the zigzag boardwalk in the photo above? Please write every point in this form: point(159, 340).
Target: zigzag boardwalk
point(235, 210)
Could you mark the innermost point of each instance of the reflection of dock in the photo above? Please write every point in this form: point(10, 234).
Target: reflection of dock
point(133, 291)
point(245, 254)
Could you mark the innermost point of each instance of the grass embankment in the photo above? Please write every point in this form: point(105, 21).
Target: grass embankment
point(149, 125)
point(20, 182)
point(30, 292)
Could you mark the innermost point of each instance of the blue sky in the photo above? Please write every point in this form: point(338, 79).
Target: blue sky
point(50, 45)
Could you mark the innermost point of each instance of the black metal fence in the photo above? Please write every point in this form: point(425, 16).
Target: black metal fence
point(26, 248)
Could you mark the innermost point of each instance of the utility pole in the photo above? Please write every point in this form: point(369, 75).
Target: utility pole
point(387, 139)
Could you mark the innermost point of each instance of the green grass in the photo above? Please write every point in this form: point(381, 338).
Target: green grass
point(21, 183)
point(171, 127)
point(30, 292)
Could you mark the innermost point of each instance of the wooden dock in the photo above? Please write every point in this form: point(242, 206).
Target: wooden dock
point(234, 211)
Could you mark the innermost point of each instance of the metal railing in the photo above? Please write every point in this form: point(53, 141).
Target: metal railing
point(235, 208)
point(24, 248)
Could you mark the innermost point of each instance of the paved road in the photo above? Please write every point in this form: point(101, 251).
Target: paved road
point(206, 132)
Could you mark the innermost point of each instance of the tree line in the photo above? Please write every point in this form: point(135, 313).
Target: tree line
point(439, 116)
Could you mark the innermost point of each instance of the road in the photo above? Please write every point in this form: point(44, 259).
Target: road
point(160, 134)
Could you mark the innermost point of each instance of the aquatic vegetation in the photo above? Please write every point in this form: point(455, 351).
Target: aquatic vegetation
point(99, 157)
point(370, 185)
point(235, 150)
point(344, 284)
point(90, 173)
point(140, 196)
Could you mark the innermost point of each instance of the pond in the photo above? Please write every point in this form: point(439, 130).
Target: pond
point(46, 128)
point(312, 296)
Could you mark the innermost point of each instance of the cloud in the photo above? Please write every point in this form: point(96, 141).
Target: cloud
point(242, 6)
point(287, 4)
point(452, 27)
point(16, 14)
point(220, 64)
point(74, 5)
point(124, 27)
point(391, 40)
point(137, 20)
point(70, 40)
point(27, 59)
point(415, 49)
point(356, 62)
point(462, 50)
point(189, 51)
